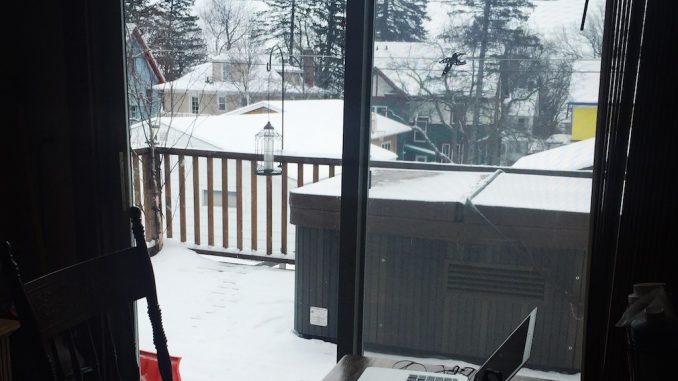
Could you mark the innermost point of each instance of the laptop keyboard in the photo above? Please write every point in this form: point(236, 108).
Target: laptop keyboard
point(414, 377)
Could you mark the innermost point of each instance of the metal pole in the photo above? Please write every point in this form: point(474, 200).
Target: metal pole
point(268, 68)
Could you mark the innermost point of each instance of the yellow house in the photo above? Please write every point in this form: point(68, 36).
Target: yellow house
point(583, 120)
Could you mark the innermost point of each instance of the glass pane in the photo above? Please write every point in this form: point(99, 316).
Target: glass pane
point(237, 150)
point(490, 106)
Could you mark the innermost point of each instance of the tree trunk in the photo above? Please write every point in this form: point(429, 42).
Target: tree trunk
point(152, 194)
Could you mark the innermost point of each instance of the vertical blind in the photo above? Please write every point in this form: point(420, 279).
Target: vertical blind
point(633, 200)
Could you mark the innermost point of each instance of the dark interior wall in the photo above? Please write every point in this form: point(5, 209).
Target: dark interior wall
point(65, 181)
point(64, 188)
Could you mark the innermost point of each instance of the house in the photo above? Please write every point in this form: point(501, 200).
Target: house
point(143, 73)
point(407, 85)
point(583, 101)
point(236, 79)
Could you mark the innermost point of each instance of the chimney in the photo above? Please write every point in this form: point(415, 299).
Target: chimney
point(308, 67)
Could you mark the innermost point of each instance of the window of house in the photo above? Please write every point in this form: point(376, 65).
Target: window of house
point(134, 112)
point(381, 110)
point(386, 145)
point(445, 149)
point(225, 71)
point(222, 103)
point(195, 105)
point(522, 123)
point(422, 123)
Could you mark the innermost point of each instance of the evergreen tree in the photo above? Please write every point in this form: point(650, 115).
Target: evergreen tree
point(281, 19)
point(140, 13)
point(176, 38)
point(328, 27)
point(496, 29)
point(400, 20)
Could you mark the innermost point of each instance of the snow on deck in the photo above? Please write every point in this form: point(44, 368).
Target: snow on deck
point(233, 321)
point(230, 321)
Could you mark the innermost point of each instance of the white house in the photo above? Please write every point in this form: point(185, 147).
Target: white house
point(233, 80)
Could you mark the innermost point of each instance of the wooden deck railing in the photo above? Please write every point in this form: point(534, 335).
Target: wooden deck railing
point(174, 168)
point(242, 221)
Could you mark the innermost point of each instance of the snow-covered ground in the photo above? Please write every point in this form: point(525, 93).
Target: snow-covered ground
point(230, 321)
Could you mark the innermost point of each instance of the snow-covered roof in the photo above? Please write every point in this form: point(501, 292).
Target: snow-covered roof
point(570, 157)
point(382, 126)
point(521, 191)
point(200, 78)
point(313, 128)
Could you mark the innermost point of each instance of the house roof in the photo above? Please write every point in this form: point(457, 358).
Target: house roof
point(259, 80)
point(135, 33)
point(382, 126)
point(313, 128)
point(570, 157)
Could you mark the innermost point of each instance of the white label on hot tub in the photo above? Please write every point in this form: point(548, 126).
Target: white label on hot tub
point(319, 316)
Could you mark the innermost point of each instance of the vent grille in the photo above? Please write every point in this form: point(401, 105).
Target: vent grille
point(493, 279)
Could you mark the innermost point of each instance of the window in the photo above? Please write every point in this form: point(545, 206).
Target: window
point(222, 103)
point(225, 71)
point(195, 105)
point(422, 123)
point(445, 151)
point(381, 110)
point(386, 145)
point(134, 113)
point(414, 268)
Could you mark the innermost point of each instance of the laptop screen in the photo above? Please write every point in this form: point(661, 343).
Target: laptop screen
point(511, 355)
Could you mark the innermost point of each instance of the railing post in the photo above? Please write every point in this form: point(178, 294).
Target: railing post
point(182, 198)
point(168, 193)
point(283, 210)
point(210, 202)
point(196, 199)
point(238, 202)
point(269, 215)
point(224, 201)
point(253, 217)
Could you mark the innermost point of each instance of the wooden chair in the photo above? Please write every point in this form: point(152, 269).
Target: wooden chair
point(61, 306)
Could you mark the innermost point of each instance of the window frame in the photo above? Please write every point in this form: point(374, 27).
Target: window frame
point(195, 104)
point(427, 121)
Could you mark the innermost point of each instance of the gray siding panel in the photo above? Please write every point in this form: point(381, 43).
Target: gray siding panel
point(410, 307)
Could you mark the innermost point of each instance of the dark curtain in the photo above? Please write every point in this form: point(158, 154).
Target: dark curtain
point(634, 193)
point(65, 186)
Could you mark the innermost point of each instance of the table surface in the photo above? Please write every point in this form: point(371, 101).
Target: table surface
point(349, 368)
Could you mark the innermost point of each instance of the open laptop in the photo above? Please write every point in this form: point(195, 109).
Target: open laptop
point(504, 363)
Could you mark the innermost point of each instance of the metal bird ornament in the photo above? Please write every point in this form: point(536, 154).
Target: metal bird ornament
point(454, 60)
